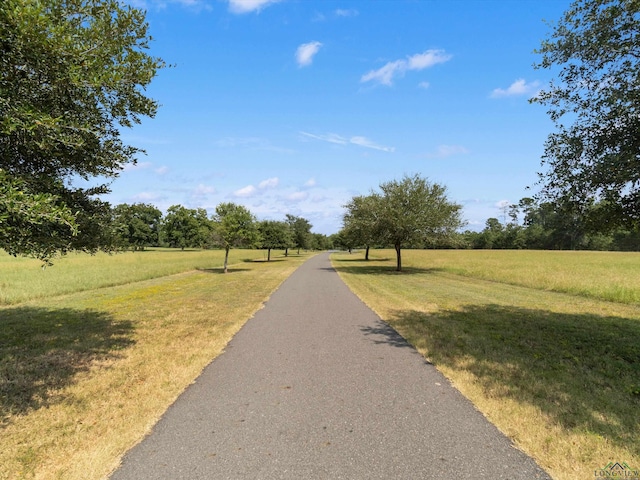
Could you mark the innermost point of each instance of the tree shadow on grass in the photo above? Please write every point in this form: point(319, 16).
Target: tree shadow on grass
point(43, 350)
point(582, 370)
point(365, 267)
point(264, 260)
point(221, 270)
point(360, 259)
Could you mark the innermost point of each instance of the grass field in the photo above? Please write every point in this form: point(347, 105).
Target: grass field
point(611, 276)
point(86, 369)
point(23, 279)
point(546, 344)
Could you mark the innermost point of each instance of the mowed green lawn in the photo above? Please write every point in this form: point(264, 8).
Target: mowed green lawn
point(94, 349)
point(546, 344)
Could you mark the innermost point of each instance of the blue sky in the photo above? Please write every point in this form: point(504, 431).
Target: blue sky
point(295, 106)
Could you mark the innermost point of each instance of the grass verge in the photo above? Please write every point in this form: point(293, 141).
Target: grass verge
point(23, 279)
point(84, 376)
point(558, 373)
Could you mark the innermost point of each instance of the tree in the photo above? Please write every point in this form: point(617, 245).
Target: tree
point(185, 227)
point(413, 210)
point(137, 225)
point(274, 234)
point(492, 234)
point(595, 157)
point(360, 221)
point(72, 73)
point(234, 226)
point(342, 240)
point(301, 230)
point(320, 241)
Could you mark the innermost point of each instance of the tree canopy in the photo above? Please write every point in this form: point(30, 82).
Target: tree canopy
point(274, 234)
point(412, 211)
point(360, 221)
point(301, 231)
point(137, 225)
point(186, 227)
point(594, 155)
point(407, 212)
point(72, 73)
point(234, 226)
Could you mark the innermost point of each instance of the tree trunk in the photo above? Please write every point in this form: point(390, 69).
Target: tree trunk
point(268, 254)
point(399, 257)
point(366, 253)
point(286, 252)
point(226, 258)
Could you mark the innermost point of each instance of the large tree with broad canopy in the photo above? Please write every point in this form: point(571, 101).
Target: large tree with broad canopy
point(594, 154)
point(72, 74)
point(406, 213)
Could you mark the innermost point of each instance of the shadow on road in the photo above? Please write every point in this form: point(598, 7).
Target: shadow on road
point(382, 333)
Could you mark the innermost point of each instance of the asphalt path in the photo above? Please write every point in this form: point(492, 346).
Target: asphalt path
point(316, 386)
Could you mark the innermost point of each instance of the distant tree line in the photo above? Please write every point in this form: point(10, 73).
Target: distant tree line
point(554, 226)
point(139, 225)
point(413, 213)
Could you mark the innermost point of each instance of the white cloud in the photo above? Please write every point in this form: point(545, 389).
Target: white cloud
point(310, 183)
point(306, 52)
point(248, 6)
point(365, 142)
point(247, 191)
point(331, 138)
point(350, 12)
point(269, 183)
point(297, 196)
point(138, 166)
point(318, 17)
point(444, 151)
point(321, 206)
point(190, 3)
point(355, 140)
point(161, 170)
point(517, 88)
point(203, 191)
point(146, 197)
point(385, 75)
point(250, 190)
point(424, 85)
point(427, 59)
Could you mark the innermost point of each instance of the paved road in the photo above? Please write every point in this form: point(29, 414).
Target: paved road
point(316, 386)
